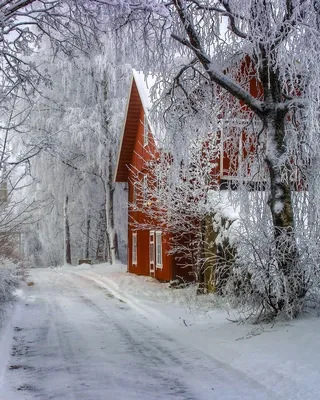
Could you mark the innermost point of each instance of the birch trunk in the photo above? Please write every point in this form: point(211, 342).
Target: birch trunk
point(114, 254)
point(67, 240)
point(87, 252)
point(112, 243)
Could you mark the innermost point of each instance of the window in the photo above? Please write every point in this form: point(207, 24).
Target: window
point(230, 152)
point(145, 189)
point(134, 196)
point(238, 156)
point(159, 183)
point(145, 131)
point(134, 248)
point(158, 249)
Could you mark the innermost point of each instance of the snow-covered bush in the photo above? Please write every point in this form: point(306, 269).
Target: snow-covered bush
point(255, 284)
point(10, 277)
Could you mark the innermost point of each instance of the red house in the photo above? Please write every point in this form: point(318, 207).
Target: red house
point(148, 248)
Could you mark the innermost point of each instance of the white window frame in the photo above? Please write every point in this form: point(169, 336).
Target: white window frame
point(159, 182)
point(224, 174)
point(159, 259)
point(134, 248)
point(135, 193)
point(145, 189)
point(145, 131)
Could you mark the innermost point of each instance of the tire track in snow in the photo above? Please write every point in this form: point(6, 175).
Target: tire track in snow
point(163, 352)
point(150, 357)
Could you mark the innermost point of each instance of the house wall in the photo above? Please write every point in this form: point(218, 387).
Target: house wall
point(141, 155)
point(184, 266)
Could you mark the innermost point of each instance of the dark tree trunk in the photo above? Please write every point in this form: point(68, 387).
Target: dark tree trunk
point(108, 249)
point(114, 253)
point(101, 253)
point(87, 253)
point(111, 242)
point(67, 232)
point(280, 199)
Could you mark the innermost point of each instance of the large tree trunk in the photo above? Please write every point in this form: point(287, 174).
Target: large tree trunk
point(67, 240)
point(112, 242)
point(87, 252)
point(280, 203)
point(280, 200)
point(114, 253)
point(102, 251)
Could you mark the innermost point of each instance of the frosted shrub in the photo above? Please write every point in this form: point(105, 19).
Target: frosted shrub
point(9, 279)
point(257, 286)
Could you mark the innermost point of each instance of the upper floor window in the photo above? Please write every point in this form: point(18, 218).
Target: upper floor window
point(145, 131)
point(238, 157)
point(159, 183)
point(134, 194)
point(145, 188)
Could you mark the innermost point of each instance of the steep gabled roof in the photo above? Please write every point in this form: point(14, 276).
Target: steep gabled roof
point(138, 99)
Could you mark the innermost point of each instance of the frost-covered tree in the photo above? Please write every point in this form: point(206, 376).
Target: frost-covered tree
point(69, 25)
point(15, 210)
point(279, 43)
point(75, 121)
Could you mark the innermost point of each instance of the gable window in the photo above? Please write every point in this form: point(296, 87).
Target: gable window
point(159, 249)
point(159, 182)
point(145, 131)
point(134, 248)
point(134, 195)
point(145, 189)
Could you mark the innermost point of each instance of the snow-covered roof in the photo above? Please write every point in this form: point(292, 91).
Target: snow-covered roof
point(144, 92)
point(138, 94)
point(144, 83)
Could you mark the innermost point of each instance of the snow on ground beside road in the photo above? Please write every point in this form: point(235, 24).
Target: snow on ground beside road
point(5, 346)
point(283, 356)
point(149, 289)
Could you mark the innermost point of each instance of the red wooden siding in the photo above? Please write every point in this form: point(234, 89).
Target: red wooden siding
point(132, 163)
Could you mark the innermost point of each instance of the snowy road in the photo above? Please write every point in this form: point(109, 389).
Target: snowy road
point(70, 339)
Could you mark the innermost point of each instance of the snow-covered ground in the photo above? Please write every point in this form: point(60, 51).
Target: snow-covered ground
point(100, 333)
